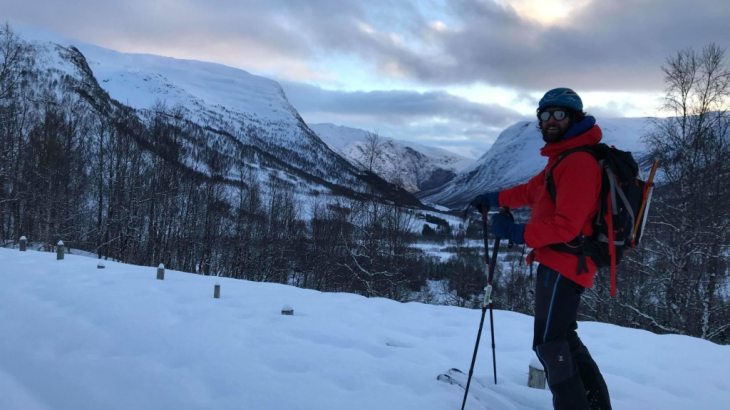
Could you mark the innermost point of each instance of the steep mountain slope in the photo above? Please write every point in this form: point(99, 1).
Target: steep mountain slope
point(515, 158)
point(243, 120)
point(417, 167)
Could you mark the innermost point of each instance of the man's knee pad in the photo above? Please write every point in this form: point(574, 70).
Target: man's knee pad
point(558, 362)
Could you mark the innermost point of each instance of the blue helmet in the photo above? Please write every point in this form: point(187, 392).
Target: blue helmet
point(561, 97)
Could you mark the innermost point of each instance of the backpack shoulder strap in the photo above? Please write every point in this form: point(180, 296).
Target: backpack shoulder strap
point(549, 176)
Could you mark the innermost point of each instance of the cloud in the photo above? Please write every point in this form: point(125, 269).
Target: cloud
point(261, 35)
point(601, 45)
point(592, 46)
point(424, 116)
point(604, 46)
point(398, 106)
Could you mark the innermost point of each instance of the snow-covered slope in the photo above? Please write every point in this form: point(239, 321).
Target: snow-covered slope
point(82, 338)
point(416, 166)
point(515, 158)
point(246, 118)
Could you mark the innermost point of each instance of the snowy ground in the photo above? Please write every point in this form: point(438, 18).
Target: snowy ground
point(75, 337)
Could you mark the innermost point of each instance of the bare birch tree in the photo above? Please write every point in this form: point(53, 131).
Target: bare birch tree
point(691, 216)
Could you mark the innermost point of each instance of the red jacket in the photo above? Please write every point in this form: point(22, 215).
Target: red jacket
point(577, 186)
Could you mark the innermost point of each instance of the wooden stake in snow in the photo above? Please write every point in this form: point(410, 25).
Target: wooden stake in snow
point(217, 291)
point(161, 272)
point(287, 310)
point(100, 265)
point(536, 378)
point(59, 251)
point(22, 243)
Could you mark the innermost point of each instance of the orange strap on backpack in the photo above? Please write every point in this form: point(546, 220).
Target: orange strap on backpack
point(646, 195)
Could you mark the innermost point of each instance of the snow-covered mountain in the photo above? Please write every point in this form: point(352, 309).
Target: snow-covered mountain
point(244, 118)
point(417, 167)
point(248, 121)
point(515, 158)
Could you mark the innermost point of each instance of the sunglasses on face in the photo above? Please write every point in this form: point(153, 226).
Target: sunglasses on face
point(557, 114)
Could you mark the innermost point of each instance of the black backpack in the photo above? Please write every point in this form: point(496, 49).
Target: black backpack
point(622, 206)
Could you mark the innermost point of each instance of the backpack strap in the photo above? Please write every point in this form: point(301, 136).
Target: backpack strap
point(580, 245)
point(549, 176)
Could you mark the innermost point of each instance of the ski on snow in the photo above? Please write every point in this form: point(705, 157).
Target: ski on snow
point(456, 377)
point(453, 376)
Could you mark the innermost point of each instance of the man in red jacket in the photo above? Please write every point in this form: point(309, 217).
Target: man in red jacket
point(573, 377)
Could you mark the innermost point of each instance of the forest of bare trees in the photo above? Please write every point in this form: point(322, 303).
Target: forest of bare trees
point(678, 281)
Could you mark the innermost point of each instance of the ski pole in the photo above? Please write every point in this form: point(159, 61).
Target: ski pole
point(492, 268)
point(486, 303)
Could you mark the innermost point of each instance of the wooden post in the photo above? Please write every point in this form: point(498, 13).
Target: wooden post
point(217, 291)
point(22, 243)
point(287, 310)
point(161, 272)
point(59, 251)
point(536, 378)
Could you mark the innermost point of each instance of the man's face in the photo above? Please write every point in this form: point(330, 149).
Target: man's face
point(553, 129)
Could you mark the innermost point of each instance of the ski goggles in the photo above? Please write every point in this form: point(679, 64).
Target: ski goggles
point(557, 114)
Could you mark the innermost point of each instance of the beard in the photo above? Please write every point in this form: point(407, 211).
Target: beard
point(551, 136)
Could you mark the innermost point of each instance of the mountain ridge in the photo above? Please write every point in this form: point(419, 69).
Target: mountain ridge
point(238, 118)
point(515, 157)
point(413, 165)
point(247, 118)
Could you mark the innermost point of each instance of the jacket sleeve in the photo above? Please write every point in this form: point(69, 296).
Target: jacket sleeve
point(577, 185)
point(522, 195)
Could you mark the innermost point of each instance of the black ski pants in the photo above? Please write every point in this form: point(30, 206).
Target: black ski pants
point(573, 377)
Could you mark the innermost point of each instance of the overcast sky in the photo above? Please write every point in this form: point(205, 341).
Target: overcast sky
point(450, 73)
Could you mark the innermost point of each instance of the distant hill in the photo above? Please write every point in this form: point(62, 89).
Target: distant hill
point(515, 158)
point(417, 167)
